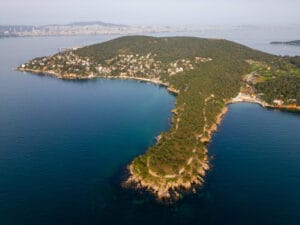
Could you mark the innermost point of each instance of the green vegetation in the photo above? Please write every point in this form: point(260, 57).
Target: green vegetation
point(205, 72)
point(286, 88)
point(295, 61)
point(278, 80)
point(221, 77)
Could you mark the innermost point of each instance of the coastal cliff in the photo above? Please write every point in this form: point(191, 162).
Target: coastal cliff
point(205, 75)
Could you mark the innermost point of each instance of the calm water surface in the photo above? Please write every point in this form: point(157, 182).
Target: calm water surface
point(64, 144)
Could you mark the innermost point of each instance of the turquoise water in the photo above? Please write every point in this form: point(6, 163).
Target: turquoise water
point(64, 146)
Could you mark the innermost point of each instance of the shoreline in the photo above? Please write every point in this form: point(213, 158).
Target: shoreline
point(92, 76)
point(163, 188)
point(171, 191)
point(250, 99)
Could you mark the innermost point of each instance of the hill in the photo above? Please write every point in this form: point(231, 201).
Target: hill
point(205, 75)
point(91, 23)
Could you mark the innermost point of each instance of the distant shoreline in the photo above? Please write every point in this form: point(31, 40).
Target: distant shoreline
point(82, 28)
point(77, 77)
point(293, 43)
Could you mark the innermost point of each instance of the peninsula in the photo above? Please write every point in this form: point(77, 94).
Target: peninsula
point(204, 74)
point(295, 42)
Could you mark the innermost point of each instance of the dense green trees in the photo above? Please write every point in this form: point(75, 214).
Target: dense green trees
point(286, 88)
point(220, 77)
point(203, 90)
point(295, 61)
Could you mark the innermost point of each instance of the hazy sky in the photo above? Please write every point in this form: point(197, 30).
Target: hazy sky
point(151, 12)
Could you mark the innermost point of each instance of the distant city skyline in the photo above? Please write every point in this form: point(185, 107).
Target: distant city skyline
point(154, 12)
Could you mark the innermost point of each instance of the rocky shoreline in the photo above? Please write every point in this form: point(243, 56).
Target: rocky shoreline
point(170, 191)
point(71, 76)
point(167, 192)
point(164, 189)
point(247, 98)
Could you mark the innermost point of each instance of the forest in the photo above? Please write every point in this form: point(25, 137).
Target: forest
point(214, 73)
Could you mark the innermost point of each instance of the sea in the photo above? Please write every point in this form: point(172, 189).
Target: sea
point(64, 145)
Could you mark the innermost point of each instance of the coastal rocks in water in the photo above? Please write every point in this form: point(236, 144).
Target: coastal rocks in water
point(202, 73)
point(165, 191)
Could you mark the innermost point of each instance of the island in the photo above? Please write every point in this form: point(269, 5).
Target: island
point(295, 42)
point(205, 75)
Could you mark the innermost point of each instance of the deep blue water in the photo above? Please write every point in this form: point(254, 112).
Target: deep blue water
point(64, 145)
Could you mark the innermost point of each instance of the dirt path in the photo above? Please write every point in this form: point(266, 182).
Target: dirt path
point(190, 160)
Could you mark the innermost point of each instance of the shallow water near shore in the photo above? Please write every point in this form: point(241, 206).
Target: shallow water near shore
point(64, 146)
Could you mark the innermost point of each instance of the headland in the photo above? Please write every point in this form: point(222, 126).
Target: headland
point(205, 75)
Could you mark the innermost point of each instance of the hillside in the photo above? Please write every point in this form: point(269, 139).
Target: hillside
point(205, 74)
